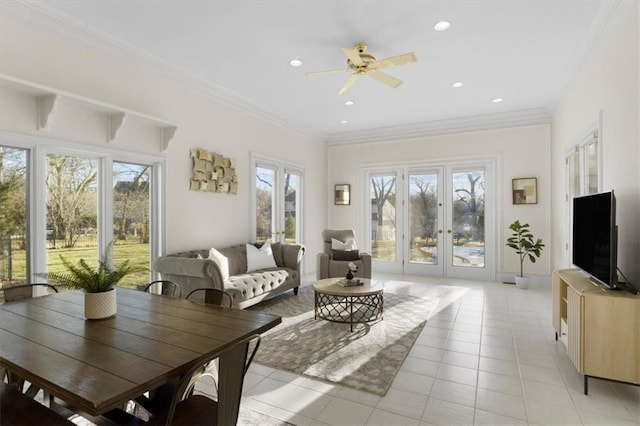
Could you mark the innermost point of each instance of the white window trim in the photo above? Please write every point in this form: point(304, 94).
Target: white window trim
point(39, 147)
point(281, 167)
point(593, 133)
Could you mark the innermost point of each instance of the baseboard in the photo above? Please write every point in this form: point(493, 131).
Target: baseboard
point(534, 280)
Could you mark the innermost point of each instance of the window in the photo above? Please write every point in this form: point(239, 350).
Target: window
point(132, 217)
point(276, 189)
point(583, 167)
point(14, 170)
point(583, 163)
point(64, 199)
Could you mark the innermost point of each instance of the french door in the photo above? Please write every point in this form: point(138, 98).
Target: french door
point(277, 201)
point(433, 220)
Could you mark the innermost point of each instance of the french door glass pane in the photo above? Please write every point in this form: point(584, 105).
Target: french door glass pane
point(468, 219)
point(131, 219)
point(291, 206)
point(573, 160)
point(423, 218)
point(265, 202)
point(13, 216)
point(72, 206)
point(383, 217)
point(591, 153)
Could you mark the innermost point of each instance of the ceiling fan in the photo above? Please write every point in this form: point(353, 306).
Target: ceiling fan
point(362, 63)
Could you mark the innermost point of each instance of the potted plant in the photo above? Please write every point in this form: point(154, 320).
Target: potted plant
point(526, 247)
point(97, 283)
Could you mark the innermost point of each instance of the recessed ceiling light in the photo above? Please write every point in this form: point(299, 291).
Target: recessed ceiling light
point(348, 103)
point(295, 62)
point(497, 100)
point(442, 25)
point(344, 122)
point(457, 84)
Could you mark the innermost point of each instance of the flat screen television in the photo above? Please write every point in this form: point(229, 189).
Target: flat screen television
point(595, 237)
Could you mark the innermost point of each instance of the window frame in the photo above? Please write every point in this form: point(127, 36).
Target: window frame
point(593, 136)
point(280, 168)
point(39, 147)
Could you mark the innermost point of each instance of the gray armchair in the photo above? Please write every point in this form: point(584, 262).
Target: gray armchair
point(328, 267)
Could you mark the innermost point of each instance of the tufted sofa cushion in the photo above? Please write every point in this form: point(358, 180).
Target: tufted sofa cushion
point(259, 283)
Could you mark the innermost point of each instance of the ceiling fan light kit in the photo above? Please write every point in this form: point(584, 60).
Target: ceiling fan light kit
point(361, 63)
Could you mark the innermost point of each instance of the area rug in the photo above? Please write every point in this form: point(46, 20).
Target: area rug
point(366, 359)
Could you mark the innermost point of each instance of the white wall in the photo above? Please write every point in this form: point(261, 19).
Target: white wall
point(194, 220)
point(608, 82)
point(518, 151)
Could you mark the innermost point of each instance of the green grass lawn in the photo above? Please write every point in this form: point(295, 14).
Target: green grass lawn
point(137, 253)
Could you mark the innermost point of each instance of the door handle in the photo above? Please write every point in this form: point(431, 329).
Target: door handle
point(449, 231)
point(439, 231)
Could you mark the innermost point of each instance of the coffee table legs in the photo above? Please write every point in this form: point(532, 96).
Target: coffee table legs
point(348, 309)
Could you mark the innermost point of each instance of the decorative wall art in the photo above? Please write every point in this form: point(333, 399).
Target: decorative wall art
point(342, 194)
point(525, 190)
point(213, 173)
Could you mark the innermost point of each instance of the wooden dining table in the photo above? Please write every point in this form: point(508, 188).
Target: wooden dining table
point(98, 365)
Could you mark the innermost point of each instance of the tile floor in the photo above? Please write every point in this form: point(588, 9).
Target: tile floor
point(488, 358)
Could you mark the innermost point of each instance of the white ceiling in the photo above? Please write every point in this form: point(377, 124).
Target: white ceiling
point(525, 52)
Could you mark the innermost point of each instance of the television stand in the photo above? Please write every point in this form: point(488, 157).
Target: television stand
point(598, 327)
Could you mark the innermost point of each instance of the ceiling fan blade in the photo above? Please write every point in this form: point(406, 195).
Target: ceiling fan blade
point(385, 78)
point(347, 84)
point(328, 71)
point(353, 56)
point(407, 58)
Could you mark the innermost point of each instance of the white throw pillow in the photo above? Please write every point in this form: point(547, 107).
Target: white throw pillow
point(260, 258)
point(222, 262)
point(346, 246)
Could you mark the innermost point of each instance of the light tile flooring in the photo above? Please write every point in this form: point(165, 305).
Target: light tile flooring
point(488, 358)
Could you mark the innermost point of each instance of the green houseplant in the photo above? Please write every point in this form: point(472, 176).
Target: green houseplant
point(526, 247)
point(97, 282)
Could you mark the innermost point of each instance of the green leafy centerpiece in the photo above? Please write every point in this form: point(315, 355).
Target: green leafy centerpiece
point(97, 283)
point(526, 247)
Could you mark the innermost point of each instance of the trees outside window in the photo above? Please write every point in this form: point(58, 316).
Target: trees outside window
point(55, 202)
point(13, 215)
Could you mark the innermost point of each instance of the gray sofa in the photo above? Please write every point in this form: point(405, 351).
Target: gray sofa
point(192, 269)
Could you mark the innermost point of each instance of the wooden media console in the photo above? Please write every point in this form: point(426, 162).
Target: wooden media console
point(599, 326)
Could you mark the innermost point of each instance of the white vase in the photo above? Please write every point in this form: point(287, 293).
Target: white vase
point(522, 282)
point(100, 305)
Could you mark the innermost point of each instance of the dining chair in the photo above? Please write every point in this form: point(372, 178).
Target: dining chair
point(217, 297)
point(166, 288)
point(187, 408)
point(26, 291)
point(212, 296)
point(159, 397)
point(177, 404)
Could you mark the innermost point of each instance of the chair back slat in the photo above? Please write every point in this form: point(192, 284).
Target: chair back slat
point(26, 291)
point(165, 288)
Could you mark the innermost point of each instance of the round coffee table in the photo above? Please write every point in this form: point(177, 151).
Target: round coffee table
point(348, 304)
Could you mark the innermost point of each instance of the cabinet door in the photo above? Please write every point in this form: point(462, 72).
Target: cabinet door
point(575, 326)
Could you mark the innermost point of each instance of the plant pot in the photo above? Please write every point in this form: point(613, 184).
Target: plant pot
point(100, 305)
point(522, 282)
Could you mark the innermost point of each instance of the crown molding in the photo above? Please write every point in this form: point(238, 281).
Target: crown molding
point(525, 117)
point(41, 16)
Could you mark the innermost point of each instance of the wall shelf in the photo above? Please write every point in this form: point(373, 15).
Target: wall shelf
point(48, 99)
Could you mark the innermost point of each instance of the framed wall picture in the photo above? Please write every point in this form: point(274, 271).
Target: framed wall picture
point(342, 194)
point(525, 190)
